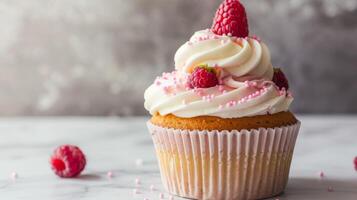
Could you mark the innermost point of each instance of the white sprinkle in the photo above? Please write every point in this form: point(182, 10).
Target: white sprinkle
point(139, 162)
point(136, 191)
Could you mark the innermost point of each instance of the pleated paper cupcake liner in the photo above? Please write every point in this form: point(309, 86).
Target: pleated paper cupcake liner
point(246, 164)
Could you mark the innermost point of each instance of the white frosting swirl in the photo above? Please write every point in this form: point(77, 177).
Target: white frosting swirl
point(168, 95)
point(237, 56)
point(245, 74)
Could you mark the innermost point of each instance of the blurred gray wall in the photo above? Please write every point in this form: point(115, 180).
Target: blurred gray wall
point(95, 57)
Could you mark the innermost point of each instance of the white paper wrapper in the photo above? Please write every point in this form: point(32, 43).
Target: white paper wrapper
point(225, 164)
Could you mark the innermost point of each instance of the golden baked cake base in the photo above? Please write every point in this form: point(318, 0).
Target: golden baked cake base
point(220, 124)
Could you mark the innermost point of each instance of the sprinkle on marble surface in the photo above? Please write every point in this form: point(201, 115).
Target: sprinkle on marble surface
point(14, 175)
point(330, 189)
point(139, 162)
point(171, 197)
point(161, 196)
point(321, 174)
point(137, 181)
point(152, 188)
point(146, 199)
point(110, 174)
point(136, 191)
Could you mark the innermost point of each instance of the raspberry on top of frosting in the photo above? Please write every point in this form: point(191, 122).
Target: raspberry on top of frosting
point(221, 72)
point(231, 19)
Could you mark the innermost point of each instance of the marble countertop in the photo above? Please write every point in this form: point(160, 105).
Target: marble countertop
point(124, 147)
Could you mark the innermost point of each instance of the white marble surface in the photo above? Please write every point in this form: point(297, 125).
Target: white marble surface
point(327, 143)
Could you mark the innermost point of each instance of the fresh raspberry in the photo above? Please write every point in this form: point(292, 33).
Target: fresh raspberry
point(202, 77)
point(68, 161)
point(355, 162)
point(280, 79)
point(231, 19)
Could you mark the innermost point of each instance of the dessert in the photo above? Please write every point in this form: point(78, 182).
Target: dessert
point(220, 122)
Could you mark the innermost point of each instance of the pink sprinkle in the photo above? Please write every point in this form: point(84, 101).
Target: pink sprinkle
point(220, 88)
point(330, 189)
point(231, 103)
point(166, 89)
point(229, 34)
point(322, 174)
point(146, 199)
point(14, 175)
point(200, 93)
point(161, 196)
point(110, 174)
point(137, 181)
point(256, 38)
point(152, 187)
point(136, 191)
point(220, 107)
point(157, 83)
point(171, 197)
point(238, 41)
point(289, 94)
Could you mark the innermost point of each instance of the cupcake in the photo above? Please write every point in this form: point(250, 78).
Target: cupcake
point(220, 121)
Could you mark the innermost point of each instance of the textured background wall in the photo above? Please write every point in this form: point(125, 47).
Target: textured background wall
point(94, 57)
